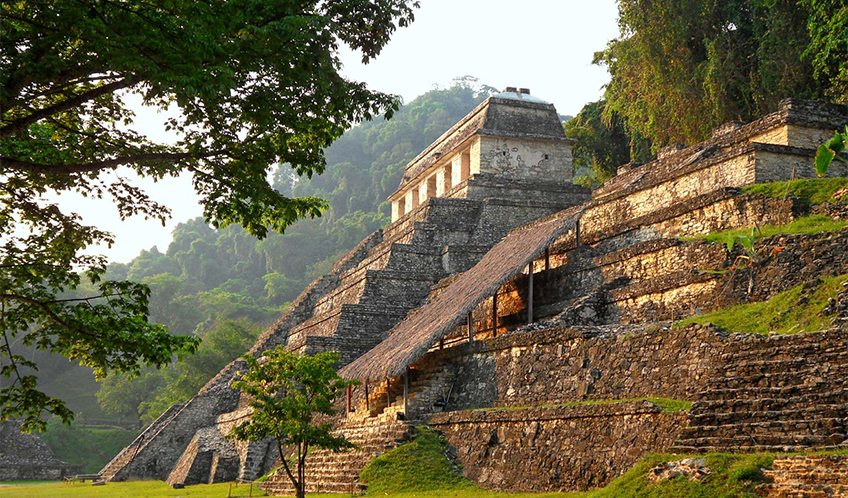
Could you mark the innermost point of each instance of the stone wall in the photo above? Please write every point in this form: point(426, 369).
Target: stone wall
point(26, 457)
point(526, 159)
point(565, 448)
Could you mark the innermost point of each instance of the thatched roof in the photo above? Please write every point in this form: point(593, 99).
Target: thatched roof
point(412, 338)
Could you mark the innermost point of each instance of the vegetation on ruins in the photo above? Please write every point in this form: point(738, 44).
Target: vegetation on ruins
point(746, 236)
point(680, 69)
point(399, 473)
point(799, 309)
point(830, 151)
point(808, 192)
point(417, 466)
point(291, 397)
point(255, 83)
point(666, 404)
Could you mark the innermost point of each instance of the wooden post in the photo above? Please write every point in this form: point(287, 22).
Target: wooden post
point(367, 402)
point(530, 294)
point(547, 258)
point(495, 314)
point(388, 393)
point(406, 393)
point(577, 231)
point(347, 400)
point(470, 327)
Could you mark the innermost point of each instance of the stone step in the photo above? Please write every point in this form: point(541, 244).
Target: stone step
point(802, 427)
point(837, 397)
point(802, 491)
point(754, 392)
point(810, 411)
point(808, 476)
point(783, 379)
point(788, 365)
point(833, 462)
point(718, 446)
point(812, 345)
point(776, 443)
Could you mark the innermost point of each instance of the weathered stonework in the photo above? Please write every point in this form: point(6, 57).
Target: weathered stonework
point(563, 448)
point(26, 457)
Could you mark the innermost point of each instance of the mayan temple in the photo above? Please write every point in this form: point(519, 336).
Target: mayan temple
point(500, 284)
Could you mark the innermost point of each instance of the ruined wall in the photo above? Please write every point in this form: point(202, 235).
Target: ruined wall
point(26, 457)
point(565, 448)
point(558, 365)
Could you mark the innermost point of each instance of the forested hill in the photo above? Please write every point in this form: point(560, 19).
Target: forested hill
point(224, 285)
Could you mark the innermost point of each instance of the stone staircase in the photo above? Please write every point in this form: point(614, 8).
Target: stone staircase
point(396, 275)
point(775, 397)
point(126, 455)
point(328, 472)
point(428, 390)
point(807, 476)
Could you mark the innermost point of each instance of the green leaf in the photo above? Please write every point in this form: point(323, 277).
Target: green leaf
point(824, 156)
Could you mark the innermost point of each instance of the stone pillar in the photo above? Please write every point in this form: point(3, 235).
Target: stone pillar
point(398, 210)
point(444, 180)
point(411, 197)
point(475, 156)
point(422, 192)
point(456, 170)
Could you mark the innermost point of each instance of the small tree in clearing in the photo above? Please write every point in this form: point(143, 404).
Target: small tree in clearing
point(287, 392)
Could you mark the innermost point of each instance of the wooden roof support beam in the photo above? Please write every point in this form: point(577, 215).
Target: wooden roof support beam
point(530, 294)
point(495, 314)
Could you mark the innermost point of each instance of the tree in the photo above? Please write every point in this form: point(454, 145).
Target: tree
point(683, 67)
point(256, 83)
point(286, 393)
point(604, 142)
point(828, 49)
point(122, 395)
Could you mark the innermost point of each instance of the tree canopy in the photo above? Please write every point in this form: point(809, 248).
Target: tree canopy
point(683, 67)
point(256, 84)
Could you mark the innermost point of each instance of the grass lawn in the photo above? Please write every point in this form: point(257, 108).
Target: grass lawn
point(789, 312)
point(132, 489)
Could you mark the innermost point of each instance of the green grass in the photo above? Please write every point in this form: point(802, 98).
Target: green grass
point(733, 476)
point(667, 405)
point(789, 312)
point(132, 489)
point(417, 466)
point(809, 192)
point(806, 224)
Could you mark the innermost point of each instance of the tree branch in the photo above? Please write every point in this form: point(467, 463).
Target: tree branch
point(46, 309)
point(21, 123)
point(12, 163)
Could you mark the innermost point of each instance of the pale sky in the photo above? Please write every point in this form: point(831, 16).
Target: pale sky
point(544, 45)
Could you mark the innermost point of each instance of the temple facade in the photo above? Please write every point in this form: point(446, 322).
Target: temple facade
point(510, 137)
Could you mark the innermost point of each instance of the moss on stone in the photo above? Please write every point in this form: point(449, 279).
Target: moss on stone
point(809, 192)
point(793, 311)
point(806, 225)
point(667, 405)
